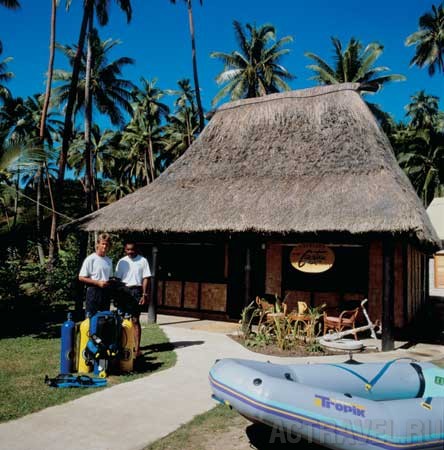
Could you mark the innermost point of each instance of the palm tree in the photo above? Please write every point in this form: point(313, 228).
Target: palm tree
point(19, 130)
point(355, 64)
point(429, 41)
point(53, 231)
point(109, 92)
point(115, 190)
point(182, 128)
point(103, 148)
point(144, 128)
point(140, 137)
point(20, 121)
point(256, 69)
point(194, 60)
point(421, 155)
point(423, 110)
point(90, 8)
point(5, 76)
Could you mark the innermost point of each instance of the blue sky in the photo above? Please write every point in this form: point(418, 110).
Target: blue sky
point(158, 39)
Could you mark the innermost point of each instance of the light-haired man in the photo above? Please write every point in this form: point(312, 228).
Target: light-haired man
point(95, 272)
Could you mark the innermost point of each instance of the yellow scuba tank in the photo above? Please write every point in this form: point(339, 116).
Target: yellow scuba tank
point(127, 345)
point(83, 365)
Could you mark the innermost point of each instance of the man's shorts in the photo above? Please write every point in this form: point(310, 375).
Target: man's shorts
point(128, 300)
point(97, 299)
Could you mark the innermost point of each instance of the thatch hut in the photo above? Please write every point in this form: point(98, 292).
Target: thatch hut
point(265, 175)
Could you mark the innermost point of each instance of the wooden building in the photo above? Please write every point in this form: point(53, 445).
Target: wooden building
point(266, 175)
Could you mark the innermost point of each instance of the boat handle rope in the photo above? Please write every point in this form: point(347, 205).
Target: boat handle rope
point(356, 374)
point(369, 384)
point(427, 403)
point(384, 369)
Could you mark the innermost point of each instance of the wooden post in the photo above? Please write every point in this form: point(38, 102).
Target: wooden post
point(247, 270)
point(152, 307)
point(388, 301)
point(79, 288)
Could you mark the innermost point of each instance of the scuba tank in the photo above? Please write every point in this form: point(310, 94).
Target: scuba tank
point(84, 364)
point(104, 340)
point(67, 345)
point(127, 344)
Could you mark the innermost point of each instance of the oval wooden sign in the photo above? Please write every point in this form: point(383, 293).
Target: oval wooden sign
point(312, 258)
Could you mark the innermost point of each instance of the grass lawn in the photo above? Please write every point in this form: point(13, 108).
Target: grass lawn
point(24, 362)
point(223, 428)
point(193, 435)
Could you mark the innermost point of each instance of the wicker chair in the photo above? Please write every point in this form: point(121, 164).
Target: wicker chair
point(267, 306)
point(299, 314)
point(346, 319)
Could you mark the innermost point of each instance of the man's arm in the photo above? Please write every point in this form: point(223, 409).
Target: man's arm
point(145, 284)
point(118, 272)
point(91, 282)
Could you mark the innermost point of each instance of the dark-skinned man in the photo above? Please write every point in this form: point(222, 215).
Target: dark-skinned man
point(134, 271)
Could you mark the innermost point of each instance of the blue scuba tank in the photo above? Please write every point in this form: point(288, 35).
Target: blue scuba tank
point(67, 345)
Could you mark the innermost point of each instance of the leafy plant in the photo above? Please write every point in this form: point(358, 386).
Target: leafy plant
point(275, 327)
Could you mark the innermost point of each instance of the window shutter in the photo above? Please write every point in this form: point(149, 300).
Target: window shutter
point(439, 271)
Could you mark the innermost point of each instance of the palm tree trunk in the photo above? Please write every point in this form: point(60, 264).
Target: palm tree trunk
point(88, 119)
point(5, 210)
point(194, 57)
point(145, 166)
point(40, 250)
point(17, 186)
point(187, 121)
point(42, 141)
point(94, 180)
point(151, 157)
point(53, 242)
point(68, 124)
point(67, 128)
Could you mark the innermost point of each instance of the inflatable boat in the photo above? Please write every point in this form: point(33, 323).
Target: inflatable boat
point(393, 405)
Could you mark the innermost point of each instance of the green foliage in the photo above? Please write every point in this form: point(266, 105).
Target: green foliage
point(5, 76)
point(261, 326)
point(29, 292)
point(419, 146)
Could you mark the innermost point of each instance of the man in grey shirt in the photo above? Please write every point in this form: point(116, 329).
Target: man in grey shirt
point(95, 272)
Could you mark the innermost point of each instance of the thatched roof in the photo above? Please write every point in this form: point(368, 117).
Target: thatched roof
point(307, 161)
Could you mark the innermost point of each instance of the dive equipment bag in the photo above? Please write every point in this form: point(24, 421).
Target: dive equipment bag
point(66, 380)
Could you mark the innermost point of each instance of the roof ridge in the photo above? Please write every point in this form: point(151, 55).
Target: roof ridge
point(316, 91)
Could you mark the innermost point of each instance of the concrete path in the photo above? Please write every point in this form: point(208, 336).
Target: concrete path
point(131, 415)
